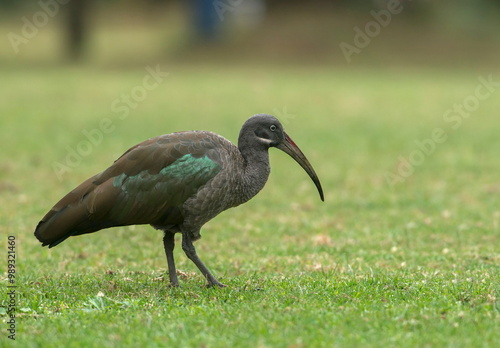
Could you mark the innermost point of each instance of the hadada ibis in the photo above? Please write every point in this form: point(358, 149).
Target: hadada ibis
point(176, 183)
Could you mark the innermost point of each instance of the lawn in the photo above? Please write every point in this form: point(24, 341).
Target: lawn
point(403, 252)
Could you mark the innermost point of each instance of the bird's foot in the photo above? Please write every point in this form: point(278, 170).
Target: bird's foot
point(173, 285)
point(216, 283)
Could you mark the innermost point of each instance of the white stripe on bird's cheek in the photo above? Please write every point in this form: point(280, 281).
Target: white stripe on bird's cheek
point(265, 141)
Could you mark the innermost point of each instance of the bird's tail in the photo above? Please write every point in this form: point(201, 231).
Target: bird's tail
point(69, 217)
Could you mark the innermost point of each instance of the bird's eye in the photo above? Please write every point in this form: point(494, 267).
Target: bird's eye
point(272, 128)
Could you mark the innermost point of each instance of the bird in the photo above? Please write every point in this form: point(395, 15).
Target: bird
point(176, 183)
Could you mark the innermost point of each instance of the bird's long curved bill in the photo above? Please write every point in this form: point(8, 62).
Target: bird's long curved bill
point(288, 146)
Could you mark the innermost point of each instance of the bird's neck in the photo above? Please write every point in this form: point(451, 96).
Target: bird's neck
point(256, 168)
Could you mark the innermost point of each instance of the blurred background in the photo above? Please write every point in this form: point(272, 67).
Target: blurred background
point(125, 32)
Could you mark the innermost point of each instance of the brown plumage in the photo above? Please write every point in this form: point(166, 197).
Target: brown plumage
point(176, 183)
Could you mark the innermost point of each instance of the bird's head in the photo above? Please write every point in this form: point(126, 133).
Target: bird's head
point(267, 131)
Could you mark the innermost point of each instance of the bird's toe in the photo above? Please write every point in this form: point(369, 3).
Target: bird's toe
point(216, 284)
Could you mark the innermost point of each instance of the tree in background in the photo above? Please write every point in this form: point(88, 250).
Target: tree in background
point(76, 28)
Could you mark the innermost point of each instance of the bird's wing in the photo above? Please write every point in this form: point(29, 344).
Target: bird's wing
point(146, 185)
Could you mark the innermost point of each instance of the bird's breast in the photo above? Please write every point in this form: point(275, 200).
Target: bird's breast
point(235, 184)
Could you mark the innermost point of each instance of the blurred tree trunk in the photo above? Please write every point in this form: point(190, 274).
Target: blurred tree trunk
point(76, 29)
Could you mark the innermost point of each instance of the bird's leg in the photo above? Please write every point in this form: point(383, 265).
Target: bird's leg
point(188, 247)
point(169, 244)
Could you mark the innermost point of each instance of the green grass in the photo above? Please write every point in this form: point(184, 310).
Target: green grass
point(414, 264)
